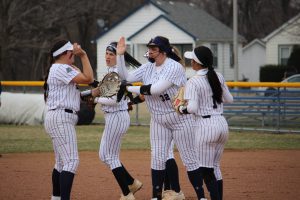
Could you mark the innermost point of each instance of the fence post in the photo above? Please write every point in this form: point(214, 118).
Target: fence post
point(278, 110)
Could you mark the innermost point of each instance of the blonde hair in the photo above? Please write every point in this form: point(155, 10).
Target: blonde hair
point(177, 52)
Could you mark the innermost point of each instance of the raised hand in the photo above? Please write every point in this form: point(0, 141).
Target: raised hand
point(77, 50)
point(121, 46)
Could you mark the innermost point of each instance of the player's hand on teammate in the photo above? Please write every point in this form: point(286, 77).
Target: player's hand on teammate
point(123, 90)
point(121, 46)
point(78, 51)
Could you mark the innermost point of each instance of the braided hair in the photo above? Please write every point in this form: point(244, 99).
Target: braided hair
point(52, 59)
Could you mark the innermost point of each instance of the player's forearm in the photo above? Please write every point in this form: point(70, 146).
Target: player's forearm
point(190, 108)
point(92, 92)
point(87, 68)
point(122, 70)
point(106, 101)
point(151, 89)
point(227, 97)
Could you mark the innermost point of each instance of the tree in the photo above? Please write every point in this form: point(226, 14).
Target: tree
point(29, 27)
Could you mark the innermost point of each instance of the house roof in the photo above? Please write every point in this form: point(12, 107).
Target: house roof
point(282, 27)
point(195, 21)
point(189, 18)
point(155, 20)
point(256, 41)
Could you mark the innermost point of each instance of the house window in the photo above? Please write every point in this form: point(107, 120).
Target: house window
point(183, 48)
point(214, 49)
point(284, 52)
point(231, 62)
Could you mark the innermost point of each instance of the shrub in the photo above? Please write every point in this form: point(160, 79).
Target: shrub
point(272, 73)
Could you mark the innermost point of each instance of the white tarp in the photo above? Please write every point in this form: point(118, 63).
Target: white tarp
point(19, 108)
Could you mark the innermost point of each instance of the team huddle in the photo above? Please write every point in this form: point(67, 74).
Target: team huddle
point(185, 113)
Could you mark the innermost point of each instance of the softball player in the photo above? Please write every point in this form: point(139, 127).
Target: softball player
point(63, 102)
point(205, 94)
point(162, 77)
point(171, 181)
point(116, 113)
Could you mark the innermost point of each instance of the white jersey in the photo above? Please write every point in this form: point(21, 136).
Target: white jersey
point(62, 94)
point(198, 88)
point(122, 105)
point(211, 130)
point(171, 71)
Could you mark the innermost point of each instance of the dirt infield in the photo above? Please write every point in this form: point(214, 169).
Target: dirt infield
point(251, 175)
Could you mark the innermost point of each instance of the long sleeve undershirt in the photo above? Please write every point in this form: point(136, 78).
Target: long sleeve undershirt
point(106, 101)
point(157, 88)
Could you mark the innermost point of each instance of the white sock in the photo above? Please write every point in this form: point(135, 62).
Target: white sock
point(55, 198)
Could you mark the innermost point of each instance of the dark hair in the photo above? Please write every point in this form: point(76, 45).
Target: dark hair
point(175, 55)
point(52, 59)
point(128, 58)
point(205, 56)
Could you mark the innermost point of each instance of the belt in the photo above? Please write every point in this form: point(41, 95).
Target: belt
point(114, 111)
point(69, 111)
point(208, 116)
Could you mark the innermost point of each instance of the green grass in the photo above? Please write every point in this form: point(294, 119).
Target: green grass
point(15, 139)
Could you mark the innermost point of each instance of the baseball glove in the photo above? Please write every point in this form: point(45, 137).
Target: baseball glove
point(110, 85)
point(178, 99)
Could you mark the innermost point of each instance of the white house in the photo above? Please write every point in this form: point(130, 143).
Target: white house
point(274, 49)
point(186, 26)
point(254, 56)
point(279, 43)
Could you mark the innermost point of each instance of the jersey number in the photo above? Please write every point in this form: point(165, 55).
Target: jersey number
point(164, 97)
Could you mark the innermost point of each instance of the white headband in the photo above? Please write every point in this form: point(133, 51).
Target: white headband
point(67, 47)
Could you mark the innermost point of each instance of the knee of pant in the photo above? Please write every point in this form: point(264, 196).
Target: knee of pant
point(104, 158)
point(158, 164)
point(71, 165)
point(109, 161)
point(217, 172)
point(209, 175)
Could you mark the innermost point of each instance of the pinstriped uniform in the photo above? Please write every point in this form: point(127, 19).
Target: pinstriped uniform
point(211, 133)
point(117, 121)
point(171, 150)
point(60, 125)
point(166, 125)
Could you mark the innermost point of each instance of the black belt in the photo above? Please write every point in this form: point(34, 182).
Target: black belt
point(114, 111)
point(208, 116)
point(68, 111)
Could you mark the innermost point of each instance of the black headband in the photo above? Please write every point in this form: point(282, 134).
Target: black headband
point(111, 48)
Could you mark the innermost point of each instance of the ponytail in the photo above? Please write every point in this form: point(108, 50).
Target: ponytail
point(215, 85)
point(131, 60)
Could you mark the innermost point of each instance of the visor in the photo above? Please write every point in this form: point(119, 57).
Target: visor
point(192, 55)
point(67, 47)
